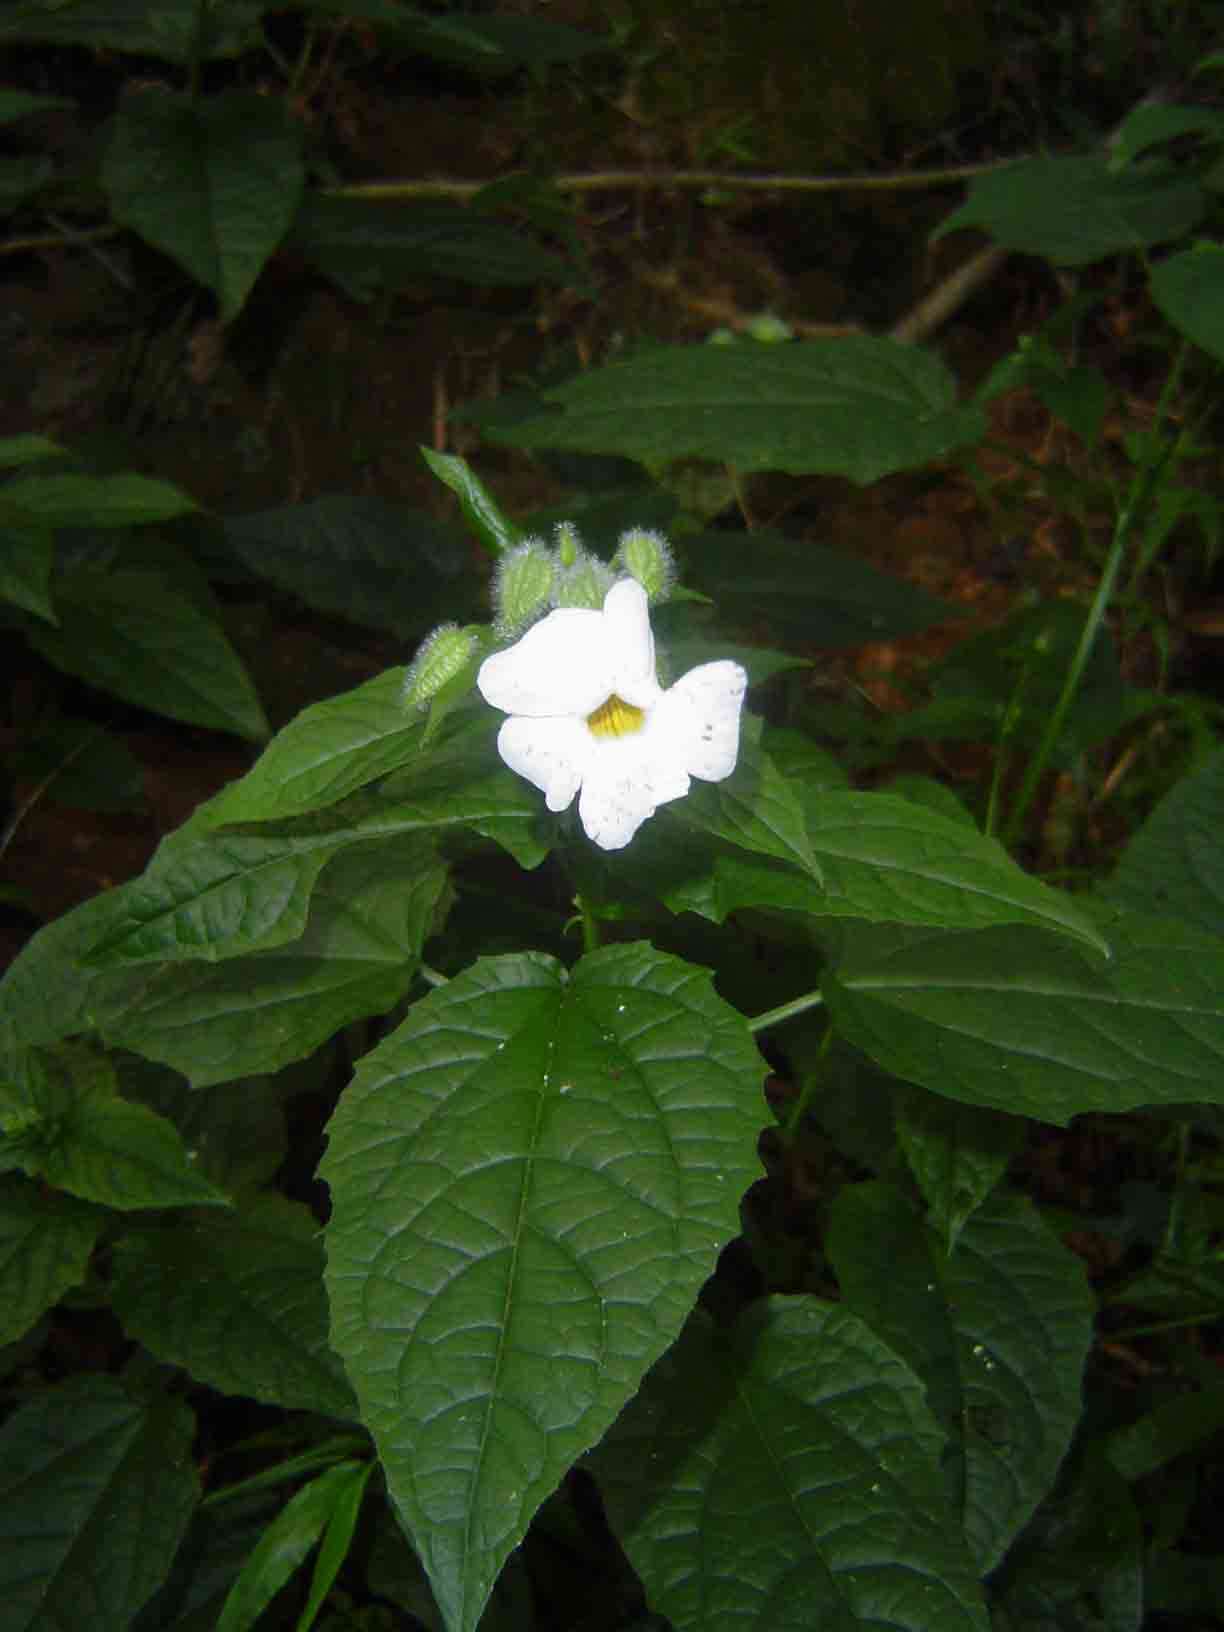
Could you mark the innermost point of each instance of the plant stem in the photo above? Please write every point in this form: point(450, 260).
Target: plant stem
point(786, 1011)
point(1134, 506)
point(432, 977)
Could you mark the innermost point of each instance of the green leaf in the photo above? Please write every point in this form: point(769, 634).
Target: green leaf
point(329, 751)
point(860, 407)
point(957, 1153)
point(337, 1539)
point(26, 449)
point(1153, 123)
point(286, 1542)
point(1075, 209)
point(45, 1243)
point(236, 1132)
point(369, 916)
point(482, 45)
point(367, 246)
point(139, 636)
point(26, 557)
point(480, 510)
point(81, 764)
point(530, 1180)
point(1186, 289)
point(94, 501)
point(125, 1156)
point(1174, 864)
point(378, 563)
point(1080, 1565)
point(223, 896)
point(237, 1303)
point(173, 30)
point(96, 1489)
point(1170, 1430)
point(797, 589)
point(892, 861)
point(998, 1331)
point(1012, 1018)
point(785, 1476)
point(218, 1543)
point(214, 183)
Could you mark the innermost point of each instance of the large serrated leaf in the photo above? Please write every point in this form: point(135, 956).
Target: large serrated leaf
point(96, 1489)
point(45, 1243)
point(1075, 209)
point(138, 635)
point(213, 182)
point(530, 1180)
point(785, 1476)
point(998, 1330)
point(1015, 1019)
point(1174, 864)
point(369, 916)
point(238, 1303)
point(860, 407)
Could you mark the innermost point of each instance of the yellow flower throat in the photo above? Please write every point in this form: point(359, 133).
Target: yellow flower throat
point(615, 718)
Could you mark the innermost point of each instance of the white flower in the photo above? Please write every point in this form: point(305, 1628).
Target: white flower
point(587, 713)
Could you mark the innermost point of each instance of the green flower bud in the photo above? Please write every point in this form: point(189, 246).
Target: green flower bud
point(440, 657)
point(647, 557)
point(583, 583)
point(522, 587)
point(569, 545)
point(722, 336)
point(768, 329)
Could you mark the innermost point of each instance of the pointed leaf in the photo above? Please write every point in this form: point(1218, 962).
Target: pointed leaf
point(785, 1476)
point(998, 1331)
point(26, 449)
point(480, 510)
point(45, 1243)
point(137, 635)
point(1014, 1018)
point(957, 1153)
point(173, 31)
point(213, 182)
point(860, 407)
point(1074, 209)
point(71, 500)
point(369, 917)
point(96, 1490)
point(26, 557)
point(327, 752)
point(337, 1539)
point(530, 1180)
point(123, 1155)
point(285, 1544)
point(237, 1302)
point(226, 895)
point(1080, 1564)
point(1186, 288)
point(1174, 865)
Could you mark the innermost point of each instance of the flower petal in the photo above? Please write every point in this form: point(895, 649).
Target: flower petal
point(563, 665)
point(625, 782)
point(627, 628)
point(701, 716)
point(551, 754)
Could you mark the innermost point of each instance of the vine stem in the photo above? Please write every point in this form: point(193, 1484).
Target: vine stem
point(1133, 508)
point(786, 1011)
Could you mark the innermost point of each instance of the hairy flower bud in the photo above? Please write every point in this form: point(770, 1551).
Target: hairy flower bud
point(522, 588)
point(569, 545)
point(647, 556)
point(583, 583)
point(440, 657)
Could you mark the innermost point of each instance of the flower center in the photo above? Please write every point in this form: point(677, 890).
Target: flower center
point(615, 718)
